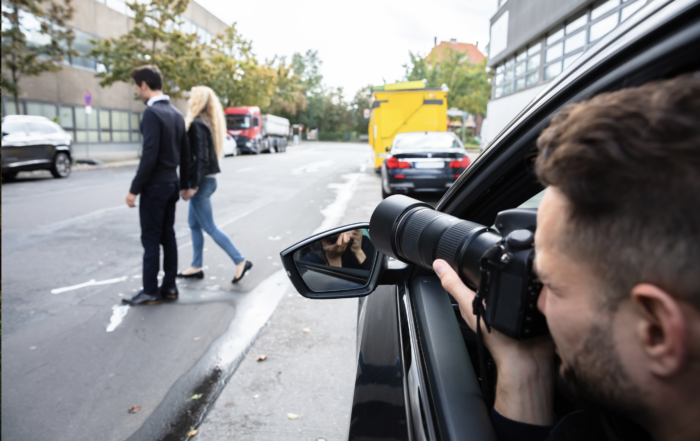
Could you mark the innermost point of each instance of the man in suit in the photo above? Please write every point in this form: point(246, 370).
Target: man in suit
point(165, 147)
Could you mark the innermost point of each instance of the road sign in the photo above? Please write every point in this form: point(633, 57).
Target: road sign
point(88, 110)
point(366, 113)
point(87, 97)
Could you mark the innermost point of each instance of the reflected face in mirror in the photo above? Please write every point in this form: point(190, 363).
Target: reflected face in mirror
point(337, 262)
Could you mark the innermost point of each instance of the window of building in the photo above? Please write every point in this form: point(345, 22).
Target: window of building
point(602, 27)
point(574, 42)
point(601, 9)
point(555, 36)
point(629, 8)
point(554, 52)
point(576, 24)
point(41, 109)
point(552, 70)
point(65, 118)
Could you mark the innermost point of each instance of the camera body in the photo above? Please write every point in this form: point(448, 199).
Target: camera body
point(497, 262)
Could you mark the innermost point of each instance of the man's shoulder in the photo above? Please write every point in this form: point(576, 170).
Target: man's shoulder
point(166, 112)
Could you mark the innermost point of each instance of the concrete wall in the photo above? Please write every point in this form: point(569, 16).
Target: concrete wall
point(501, 111)
point(530, 19)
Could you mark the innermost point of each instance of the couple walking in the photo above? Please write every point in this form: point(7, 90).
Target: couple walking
point(195, 143)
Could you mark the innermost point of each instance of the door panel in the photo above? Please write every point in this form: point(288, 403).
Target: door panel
point(452, 385)
point(379, 408)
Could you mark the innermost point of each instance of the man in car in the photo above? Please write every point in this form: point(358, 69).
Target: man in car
point(165, 147)
point(618, 252)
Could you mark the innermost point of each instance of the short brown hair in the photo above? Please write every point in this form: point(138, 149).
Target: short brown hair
point(150, 74)
point(628, 163)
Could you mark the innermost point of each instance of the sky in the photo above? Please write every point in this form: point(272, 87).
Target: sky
point(360, 42)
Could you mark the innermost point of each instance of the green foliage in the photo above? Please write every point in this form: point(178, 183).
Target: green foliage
point(20, 57)
point(469, 87)
point(154, 39)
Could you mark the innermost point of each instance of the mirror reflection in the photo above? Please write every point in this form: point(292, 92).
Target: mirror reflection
point(337, 262)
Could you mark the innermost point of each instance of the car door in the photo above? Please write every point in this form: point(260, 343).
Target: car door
point(39, 149)
point(437, 375)
point(14, 143)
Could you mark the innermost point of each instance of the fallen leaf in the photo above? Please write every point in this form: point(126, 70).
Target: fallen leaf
point(134, 409)
point(197, 338)
point(192, 432)
point(256, 395)
point(195, 397)
point(306, 330)
point(292, 416)
point(261, 358)
point(218, 364)
point(229, 404)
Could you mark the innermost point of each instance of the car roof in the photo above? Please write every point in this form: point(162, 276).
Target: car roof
point(26, 118)
point(406, 134)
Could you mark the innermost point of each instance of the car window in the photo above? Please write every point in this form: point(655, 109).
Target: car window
point(533, 202)
point(13, 128)
point(421, 142)
point(37, 128)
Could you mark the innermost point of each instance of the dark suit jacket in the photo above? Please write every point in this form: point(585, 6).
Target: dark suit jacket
point(165, 147)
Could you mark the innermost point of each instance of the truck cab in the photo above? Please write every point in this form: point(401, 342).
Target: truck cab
point(243, 123)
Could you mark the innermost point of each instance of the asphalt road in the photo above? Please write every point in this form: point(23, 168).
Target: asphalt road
point(75, 361)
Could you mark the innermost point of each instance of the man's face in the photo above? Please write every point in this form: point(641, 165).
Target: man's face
point(142, 91)
point(572, 301)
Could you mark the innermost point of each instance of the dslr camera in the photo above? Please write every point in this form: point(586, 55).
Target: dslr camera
point(495, 261)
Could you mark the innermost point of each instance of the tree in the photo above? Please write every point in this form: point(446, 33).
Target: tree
point(358, 106)
point(52, 40)
point(469, 86)
point(155, 39)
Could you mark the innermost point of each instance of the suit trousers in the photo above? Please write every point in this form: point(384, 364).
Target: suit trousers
point(157, 215)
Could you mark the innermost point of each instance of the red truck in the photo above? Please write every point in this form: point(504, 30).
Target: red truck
point(256, 133)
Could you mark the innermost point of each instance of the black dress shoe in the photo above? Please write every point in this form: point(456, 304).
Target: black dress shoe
point(198, 275)
point(248, 265)
point(169, 293)
point(143, 298)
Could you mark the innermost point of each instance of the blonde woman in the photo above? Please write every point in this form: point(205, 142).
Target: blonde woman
point(206, 131)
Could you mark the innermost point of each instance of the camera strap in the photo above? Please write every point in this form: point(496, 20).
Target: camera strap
point(478, 309)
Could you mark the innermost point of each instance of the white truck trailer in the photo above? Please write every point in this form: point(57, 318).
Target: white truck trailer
point(275, 131)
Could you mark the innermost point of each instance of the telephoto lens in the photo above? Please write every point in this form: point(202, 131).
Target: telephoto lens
point(413, 232)
point(501, 260)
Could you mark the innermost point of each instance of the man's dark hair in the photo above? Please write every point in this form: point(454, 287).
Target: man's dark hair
point(628, 162)
point(150, 74)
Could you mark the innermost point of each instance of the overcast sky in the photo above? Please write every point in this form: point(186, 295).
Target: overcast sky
point(361, 41)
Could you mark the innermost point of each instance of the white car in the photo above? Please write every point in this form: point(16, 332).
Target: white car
point(230, 147)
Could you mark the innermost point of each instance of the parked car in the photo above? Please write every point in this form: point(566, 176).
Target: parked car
point(423, 162)
point(34, 143)
point(230, 146)
point(418, 373)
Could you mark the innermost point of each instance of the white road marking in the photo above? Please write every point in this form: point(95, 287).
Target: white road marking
point(313, 167)
point(334, 212)
point(118, 314)
point(92, 282)
point(82, 218)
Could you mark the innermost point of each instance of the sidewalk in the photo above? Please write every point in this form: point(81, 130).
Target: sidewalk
point(304, 389)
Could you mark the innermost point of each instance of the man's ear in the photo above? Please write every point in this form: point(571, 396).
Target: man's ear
point(662, 330)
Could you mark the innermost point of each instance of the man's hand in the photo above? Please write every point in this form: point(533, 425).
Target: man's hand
point(187, 193)
point(356, 236)
point(525, 387)
point(131, 200)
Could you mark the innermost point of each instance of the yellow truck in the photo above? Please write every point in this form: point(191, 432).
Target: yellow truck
point(404, 107)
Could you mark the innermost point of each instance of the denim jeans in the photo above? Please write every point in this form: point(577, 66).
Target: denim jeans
point(201, 217)
point(157, 216)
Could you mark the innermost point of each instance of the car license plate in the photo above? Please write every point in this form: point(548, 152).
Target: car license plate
point(431, 164)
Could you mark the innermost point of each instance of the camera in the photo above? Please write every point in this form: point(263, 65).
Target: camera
point(496, 261)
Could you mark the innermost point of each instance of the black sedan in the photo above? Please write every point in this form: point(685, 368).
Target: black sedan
point(34, 143)
point(423, 162)
point(418, 371)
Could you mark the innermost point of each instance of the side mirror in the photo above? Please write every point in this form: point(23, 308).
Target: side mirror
point(338, 263)
point(387, 149)
point(4, 134)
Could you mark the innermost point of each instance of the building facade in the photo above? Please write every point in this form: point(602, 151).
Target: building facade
point(111, 130)
point(533, 41)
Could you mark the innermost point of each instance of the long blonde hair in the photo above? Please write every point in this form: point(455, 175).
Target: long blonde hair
point(204, 103)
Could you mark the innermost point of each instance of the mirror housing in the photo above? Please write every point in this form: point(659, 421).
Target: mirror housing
point(379, 267)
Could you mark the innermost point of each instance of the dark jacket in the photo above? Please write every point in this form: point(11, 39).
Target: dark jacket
point(165, 147)
point(583, 425)
point(203, 160)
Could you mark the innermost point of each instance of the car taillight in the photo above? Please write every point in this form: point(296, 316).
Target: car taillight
point(464, 163)
point(393, 163)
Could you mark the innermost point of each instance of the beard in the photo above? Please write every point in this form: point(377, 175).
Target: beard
point(596, 378)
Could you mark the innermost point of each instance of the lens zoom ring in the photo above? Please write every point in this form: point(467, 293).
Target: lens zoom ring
point(449, 242)
point(411, 234)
